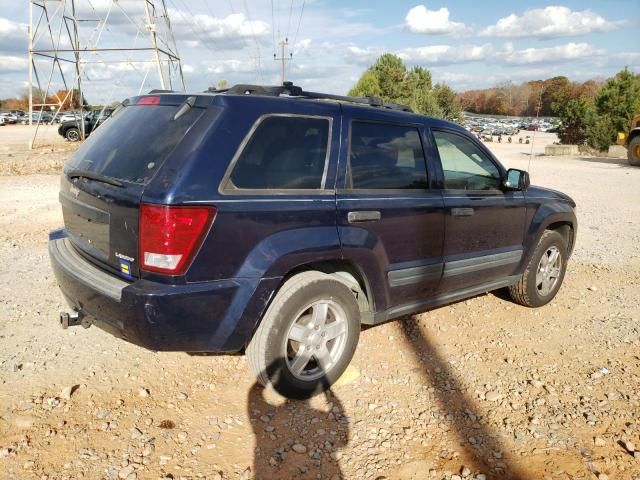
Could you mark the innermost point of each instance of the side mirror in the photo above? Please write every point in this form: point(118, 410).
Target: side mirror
point(516, 180)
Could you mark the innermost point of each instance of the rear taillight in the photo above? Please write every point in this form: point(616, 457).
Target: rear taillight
point(170, 236)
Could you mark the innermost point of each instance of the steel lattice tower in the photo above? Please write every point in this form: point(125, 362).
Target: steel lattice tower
point(65, 52)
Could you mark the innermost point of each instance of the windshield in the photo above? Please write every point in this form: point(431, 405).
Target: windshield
point(133, 144)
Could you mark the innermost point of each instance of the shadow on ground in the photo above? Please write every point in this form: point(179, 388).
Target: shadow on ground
point(488, 454)
point(296, 438)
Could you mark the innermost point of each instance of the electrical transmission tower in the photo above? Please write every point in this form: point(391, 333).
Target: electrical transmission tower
point(79, 50)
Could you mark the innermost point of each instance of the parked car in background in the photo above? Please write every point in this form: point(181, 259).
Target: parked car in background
point(72, 129)
point(275, 222)
point(2, 122)
point(9, 118)
point(37, 117)
point(69, 117)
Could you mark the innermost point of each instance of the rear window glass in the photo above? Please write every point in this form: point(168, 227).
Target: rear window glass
point(133, 144)
point(284, 153)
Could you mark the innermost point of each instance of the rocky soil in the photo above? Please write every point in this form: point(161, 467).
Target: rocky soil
point(482, 389)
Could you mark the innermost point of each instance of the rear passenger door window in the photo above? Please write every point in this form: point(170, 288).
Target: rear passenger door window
point(386, 156)
point(284, 153)
point(464, 165)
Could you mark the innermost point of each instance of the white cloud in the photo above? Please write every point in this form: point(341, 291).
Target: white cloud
point(13, 36)
point(433, 22)
point(446, 54)
point(361, 56)
point(222, 67)
point(549, 22)
point(434, 55)
point(229, 32)
point(559, 53)
point(10, 64)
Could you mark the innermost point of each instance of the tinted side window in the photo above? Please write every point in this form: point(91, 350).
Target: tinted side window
point(465, 166)
point(284, 153)
point(386, 157)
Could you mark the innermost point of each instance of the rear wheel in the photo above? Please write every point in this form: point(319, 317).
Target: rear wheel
point(307, 337)
point(73, 135)
point(633, 152)
point(543, 276)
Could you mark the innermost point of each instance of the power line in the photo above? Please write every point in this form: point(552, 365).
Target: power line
point(202, 40)
point(253, 33)
point(295, 38)
point(273, 28)
point(289, 21)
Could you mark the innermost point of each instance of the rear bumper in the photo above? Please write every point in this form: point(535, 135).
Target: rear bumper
point(216, 316)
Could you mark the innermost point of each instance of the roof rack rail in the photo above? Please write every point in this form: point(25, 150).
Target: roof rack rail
point(291, 90)
point(160, 90)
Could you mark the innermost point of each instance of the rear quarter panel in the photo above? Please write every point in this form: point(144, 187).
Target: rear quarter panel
point(253, 235)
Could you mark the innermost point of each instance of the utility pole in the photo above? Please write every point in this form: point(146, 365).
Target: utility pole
point(282, 58)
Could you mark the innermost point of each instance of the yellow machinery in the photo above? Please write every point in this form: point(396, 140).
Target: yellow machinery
point(631, 140)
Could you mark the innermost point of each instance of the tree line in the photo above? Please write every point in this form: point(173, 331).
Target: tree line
point(390, 79)
point(63, 99)
point(591, 112)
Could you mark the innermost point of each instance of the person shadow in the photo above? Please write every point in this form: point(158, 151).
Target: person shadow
point(296, 438)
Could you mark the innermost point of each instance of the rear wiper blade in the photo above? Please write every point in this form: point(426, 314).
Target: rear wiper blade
point(95, 176)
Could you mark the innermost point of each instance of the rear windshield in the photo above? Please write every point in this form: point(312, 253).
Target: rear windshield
point(133, 144)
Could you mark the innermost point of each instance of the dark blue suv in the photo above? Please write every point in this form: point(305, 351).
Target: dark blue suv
point(275, 221)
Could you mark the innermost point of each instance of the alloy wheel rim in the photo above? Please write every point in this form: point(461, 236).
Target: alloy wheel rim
point(316, 340)
point(548, 272)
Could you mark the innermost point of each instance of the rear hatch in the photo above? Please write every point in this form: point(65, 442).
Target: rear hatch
point(103, 182)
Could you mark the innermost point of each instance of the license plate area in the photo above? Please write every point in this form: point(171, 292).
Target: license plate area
point(87, 225)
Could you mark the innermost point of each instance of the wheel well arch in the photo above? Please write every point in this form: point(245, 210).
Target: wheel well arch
point(633, 134)
point(346, 272)
point(566, 230)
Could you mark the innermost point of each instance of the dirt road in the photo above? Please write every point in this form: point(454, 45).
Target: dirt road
point(480, 389)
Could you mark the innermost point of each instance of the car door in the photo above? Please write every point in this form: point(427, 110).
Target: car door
point(390, 222)
point(484, 223)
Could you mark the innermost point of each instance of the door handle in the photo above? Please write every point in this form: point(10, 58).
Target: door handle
point(364, 216)
point(461, 212)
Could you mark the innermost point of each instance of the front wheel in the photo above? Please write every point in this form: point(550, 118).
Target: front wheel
point(73, 135)
point(307, 337)
point(633, 151)
point(544, 274)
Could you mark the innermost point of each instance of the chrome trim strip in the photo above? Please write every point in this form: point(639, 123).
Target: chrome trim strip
point(68, 259)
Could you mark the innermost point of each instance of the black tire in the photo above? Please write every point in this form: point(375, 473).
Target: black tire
point(527, 291)
point(72, 134)
point(633, 151)
point(269, 352)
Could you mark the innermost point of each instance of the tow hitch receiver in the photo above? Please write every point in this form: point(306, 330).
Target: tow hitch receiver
point(73, 319)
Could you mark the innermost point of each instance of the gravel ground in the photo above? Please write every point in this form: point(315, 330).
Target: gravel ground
point(480, 389)
point(49, 153)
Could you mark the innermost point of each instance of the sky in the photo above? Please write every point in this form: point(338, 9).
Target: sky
point(467, 43)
